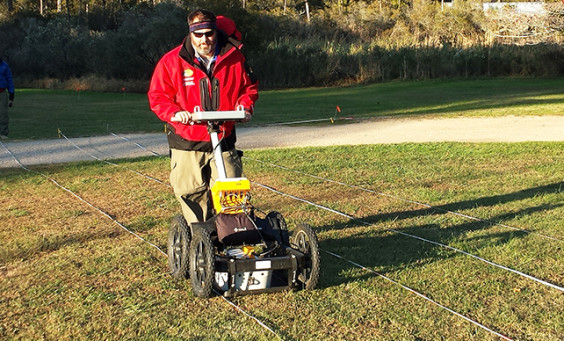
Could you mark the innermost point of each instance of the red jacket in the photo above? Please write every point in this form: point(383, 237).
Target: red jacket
point(180, 83)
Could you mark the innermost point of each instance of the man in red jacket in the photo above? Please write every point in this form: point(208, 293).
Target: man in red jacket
point(207, 71)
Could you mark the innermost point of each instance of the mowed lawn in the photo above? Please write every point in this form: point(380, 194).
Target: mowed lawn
point(453, 241)
point(40, 113)
point(70, 272)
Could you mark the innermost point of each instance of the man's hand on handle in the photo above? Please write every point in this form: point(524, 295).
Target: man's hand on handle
point(183, 117)
point(248, 117)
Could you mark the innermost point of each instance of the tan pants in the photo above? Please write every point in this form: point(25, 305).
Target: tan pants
point(192, 174)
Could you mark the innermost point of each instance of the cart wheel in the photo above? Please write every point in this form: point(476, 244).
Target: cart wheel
point(305, 240)
point(201, 262)
point(278, 223)
point(178, 247)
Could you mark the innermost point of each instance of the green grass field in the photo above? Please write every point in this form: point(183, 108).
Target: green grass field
point(39, 113)
point(69, 272)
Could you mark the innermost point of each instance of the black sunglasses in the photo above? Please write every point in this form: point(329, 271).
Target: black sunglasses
point(207, 34)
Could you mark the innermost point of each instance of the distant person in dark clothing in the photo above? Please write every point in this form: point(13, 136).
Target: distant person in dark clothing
point(6, 97)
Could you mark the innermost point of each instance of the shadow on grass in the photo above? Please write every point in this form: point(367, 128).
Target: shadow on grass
point(554, 188)
point(53, 243)
point(489, 102)
point(388, 251)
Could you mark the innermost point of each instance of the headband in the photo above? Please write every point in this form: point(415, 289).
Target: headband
point(201, 25)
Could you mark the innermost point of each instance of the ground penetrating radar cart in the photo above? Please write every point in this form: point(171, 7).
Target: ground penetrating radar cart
point(236, 252)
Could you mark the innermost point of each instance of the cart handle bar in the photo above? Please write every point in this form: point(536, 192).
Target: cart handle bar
point(202, 116)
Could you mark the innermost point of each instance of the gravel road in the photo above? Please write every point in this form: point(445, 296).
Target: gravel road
point(377, 131)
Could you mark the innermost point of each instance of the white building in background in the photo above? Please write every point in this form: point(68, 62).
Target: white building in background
point(528, 8)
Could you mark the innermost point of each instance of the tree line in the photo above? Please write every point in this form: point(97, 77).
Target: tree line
point(104, 45)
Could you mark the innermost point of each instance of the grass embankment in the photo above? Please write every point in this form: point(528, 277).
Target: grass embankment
point(39, 113)
point(70, 273)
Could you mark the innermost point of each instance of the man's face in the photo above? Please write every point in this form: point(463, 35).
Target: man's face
point(204, 41)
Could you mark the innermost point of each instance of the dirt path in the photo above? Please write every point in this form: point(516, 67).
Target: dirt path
point(473, 129)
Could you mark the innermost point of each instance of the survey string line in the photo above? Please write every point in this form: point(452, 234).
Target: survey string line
point(82, 150)
point(389, 279)
point(137, 144)
point(381, 275)
point(108, 162)
point(420, 295)
point(225, 299)
point(105, 214)
point(407, 200)
point(81, 199)
point(506, 268)
point(517, 272)
point(503, 267)
point(262, 324)
point(355, 187)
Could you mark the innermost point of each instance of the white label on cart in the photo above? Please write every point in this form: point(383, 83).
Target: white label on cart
point(261, 265)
